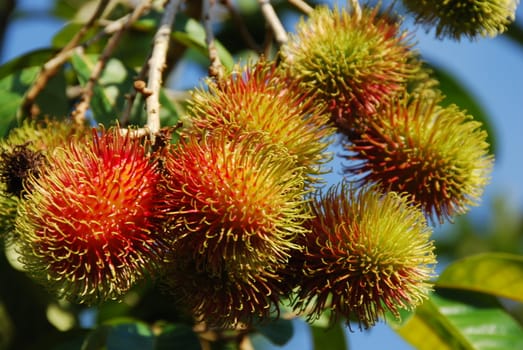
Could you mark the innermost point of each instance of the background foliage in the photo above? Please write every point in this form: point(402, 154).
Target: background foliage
point(478, 295)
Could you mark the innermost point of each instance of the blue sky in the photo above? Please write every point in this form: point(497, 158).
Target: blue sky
point(492, 69)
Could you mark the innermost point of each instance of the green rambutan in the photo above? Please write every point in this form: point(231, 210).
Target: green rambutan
point(368, 253)
point(353, 62)
point(437, 155)
point(8, 207)
point(90, 228)
point(470, 18)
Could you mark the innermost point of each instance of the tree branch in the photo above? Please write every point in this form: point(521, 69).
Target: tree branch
point(138, 87)
point(157, 65)
point(302, 6)
point(51, 67)
point(274, 22)
point(216, 66)
point(242, 27)
point(79, 112)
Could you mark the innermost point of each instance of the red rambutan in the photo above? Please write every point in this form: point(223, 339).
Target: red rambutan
point(238, 200)
point(90, 227)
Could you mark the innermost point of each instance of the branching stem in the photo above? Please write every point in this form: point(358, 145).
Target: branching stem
point(79, 112)
point(274, 22)
point(302, 6)
point(242, 26)
point(216, 66)
point(52, 66)
point(157, 65)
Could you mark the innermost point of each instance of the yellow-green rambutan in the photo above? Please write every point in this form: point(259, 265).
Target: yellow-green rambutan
point(237, 296)
point(90, 228)
point(261, 98)
point(458, 18)
point(238, 200)
point(438, 155)
point(8, 207)
point(43, 135)
point(354, 62)
point(368, 253)
point(22, 153)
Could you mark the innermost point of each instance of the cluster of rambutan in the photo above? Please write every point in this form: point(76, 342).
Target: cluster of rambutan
point(229, 216)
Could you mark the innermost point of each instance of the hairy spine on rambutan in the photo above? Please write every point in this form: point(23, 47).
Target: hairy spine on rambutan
point(458, 18)
point(368, 253)
point(238, 295)
point(353, 62)
point(262, 98)
point(437, 155)
point(239, 200)
point(90, 229)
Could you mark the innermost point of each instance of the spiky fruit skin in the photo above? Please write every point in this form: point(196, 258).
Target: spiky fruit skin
point(8, 207)
point(17, 163)
point(459, 18)
point(43, 135)
point(368, 253)
point(24, 150)
point(261, 98)
point(22, 154)
point(238, 296)
point(438, 155)
point(238, 200)
point(89, 229)
point(353, 63)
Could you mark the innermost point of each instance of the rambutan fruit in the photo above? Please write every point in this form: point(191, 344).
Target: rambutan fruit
point(238, 200)
point(368, 253)
point(43, 135)
point(438, 155)
point(17, 163)
point(354, 62)
point(261, 98)
point(90, 228)
point(8, 207)
point(24, 150)
point(237, 296)
point(458, 18)
point(22, 153)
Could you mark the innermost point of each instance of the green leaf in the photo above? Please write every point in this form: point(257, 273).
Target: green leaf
point(177, 337)
point(169, 114)
point(17, 76)
point(457, 94)
point(52, 100)
point(278, 331)
point(12, 90)
point(497, 274)
point(193, 36)
point(455, 319)
point(109, 92)
point(100, 103)
point(131, 336)
point(96, 339)
point(67, 32)
point(332, 338)
point(35, 58)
